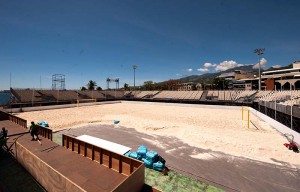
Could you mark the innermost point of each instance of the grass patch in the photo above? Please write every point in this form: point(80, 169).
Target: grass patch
point(175, 182)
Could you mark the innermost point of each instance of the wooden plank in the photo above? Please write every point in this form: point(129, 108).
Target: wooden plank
point(75, 146)
point(82, 148)
point(72, 144)
point(97, 154)
point(115, 163)
point(105, 157)
point(131, 166)
point(93, 153)
point(134, 182)
point(110, 160)
point(101, 156)
point(120, 164)
point(67, 143)
point(89, 150)
point(78, 150)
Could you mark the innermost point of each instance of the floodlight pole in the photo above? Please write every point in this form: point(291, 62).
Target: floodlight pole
point(259, 52)
point(134, 68)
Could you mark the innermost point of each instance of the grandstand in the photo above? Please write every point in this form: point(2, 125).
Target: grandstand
point(276, 104)
point(43, 97)
point(266, 99)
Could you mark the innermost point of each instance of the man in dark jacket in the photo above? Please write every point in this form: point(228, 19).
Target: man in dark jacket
point(3, 138)
point(34, 131)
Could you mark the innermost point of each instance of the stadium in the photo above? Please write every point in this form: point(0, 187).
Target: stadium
point(149, 96)
point(222, 138)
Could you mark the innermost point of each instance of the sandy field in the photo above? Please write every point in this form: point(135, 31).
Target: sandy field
point(219, 130)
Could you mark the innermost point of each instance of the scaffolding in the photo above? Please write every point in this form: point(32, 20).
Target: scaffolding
point(58, 82)
point(108, 80)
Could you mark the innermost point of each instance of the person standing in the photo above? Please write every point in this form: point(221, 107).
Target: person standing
point(3, 138)
point(3, 133)
point(34, 131)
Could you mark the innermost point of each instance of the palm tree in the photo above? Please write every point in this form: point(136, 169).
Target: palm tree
point(91, 85)
point(126, 87)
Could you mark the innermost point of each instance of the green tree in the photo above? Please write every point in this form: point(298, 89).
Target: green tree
point(83, 88)
point(220, 83)
point(91, 85)
point(148, 85)
point(126, 87)
point(99, 88)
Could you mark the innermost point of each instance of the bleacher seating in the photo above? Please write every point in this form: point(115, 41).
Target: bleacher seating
point(43, 96)
point(145, 94)
point(91, 94)
point(58, 95)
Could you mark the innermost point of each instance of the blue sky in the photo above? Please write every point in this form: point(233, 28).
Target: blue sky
point(96, 39)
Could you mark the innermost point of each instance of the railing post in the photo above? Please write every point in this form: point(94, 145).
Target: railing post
point(72, 144)
point(131, 166)
point(67, 142)
point(93, 153)
point(78, 151)
point(63, 140)
point(101, 156)
point(120, 164)
point(110, 160)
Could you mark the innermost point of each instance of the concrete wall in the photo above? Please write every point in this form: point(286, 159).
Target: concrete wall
point(186, 105)
point(49, 178)
point(278, 126)
point(134, 182)
point(40, 108)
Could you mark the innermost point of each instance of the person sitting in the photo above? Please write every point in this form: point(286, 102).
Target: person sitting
point(34, 131)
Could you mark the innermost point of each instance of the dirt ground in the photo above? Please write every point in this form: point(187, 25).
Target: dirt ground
point(217, 129)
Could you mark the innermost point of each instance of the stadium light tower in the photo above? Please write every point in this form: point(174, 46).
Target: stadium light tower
point(259, 52)
point(134, 68)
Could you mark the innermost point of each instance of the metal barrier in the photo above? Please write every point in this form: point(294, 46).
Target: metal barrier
point(45, 132)
point(17, 120)
point(117, 162)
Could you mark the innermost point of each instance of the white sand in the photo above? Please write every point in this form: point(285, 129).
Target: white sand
point(216, 129)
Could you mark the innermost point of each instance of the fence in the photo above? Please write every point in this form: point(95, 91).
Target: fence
point(43, 131)
point(119, 163)
point(286, 109)
point(17, 120)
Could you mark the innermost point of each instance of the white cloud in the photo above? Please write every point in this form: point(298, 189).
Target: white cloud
point(276, 66)
point(177, 74)
point(263, 62)
point(227, 65)
point(189, 70)
point(203, 69)
point(209, 65)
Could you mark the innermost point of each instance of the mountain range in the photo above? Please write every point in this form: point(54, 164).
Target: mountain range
point(207, 77)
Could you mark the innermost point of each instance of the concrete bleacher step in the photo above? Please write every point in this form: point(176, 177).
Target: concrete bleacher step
point(203, 97)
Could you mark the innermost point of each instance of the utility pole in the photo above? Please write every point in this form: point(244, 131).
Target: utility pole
point(259, 52)
point(134, 68)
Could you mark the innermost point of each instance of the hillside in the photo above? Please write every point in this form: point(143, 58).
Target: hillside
point(209, 76)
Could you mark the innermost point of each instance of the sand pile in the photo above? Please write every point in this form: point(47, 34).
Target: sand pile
point(209, 128)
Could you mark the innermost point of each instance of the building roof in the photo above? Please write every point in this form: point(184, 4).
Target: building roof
point(280, 70)
point(227, 74)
